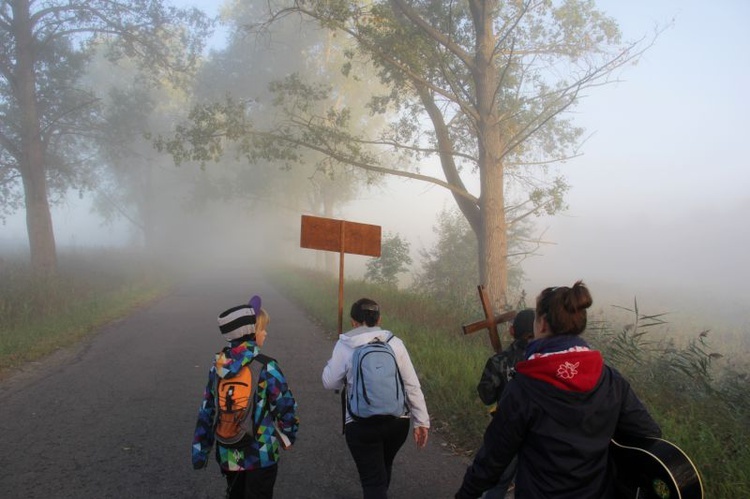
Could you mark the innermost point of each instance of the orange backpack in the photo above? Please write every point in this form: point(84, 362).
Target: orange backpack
point(233, 404)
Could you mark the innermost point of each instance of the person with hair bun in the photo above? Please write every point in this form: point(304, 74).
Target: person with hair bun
point(559, 412)
point(375, 441)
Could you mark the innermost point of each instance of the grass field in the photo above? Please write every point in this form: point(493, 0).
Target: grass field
point(39, 316)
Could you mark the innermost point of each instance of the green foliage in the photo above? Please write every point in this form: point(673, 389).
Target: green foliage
point(239, 121)
point(65, 105)
point(164, 40)
point(450, 272)
point(700, 407)
point(394, 259)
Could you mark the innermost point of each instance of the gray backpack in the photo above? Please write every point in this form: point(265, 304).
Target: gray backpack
point(377, 387)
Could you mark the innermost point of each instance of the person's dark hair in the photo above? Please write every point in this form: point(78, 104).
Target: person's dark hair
point(564, 308)
point(523, 324)
point(365, 311)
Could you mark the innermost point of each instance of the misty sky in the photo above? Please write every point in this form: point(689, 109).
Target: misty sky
point(660, 195)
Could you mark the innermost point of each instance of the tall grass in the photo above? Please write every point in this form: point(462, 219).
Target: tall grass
point(40, 315)
point(702, 408)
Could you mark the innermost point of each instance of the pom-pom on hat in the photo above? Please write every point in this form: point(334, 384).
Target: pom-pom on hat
point(239, 321)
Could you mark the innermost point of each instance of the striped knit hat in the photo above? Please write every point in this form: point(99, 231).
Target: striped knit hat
point(239, 321)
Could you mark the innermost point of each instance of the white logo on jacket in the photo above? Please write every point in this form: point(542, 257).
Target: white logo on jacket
point(567, 370)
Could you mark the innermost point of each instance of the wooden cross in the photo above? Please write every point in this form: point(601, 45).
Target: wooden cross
point(490, 321)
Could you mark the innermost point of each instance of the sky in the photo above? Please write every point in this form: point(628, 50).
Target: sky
point(660, 196)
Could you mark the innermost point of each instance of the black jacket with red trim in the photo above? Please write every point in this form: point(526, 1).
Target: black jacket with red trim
point(558, 415)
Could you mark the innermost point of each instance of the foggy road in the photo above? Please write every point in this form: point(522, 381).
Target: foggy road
point(115, 416)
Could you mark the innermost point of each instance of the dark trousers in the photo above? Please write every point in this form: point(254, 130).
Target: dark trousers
point(374, 444)
point(253, 484)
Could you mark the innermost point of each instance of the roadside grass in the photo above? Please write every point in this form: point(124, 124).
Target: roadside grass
point(700, 403)
point(41, 315)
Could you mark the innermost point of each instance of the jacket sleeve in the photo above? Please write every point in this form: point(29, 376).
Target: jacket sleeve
point(493, 380)
point(412, 388)
point(334, 373)
point(634, 420)
point(203, 438)
point(502, 440)
point(281, 401)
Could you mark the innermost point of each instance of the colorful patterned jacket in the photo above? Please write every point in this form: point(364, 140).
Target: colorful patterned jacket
point(273, 402)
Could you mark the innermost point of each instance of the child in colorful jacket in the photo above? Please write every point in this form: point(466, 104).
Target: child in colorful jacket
point(250, 467)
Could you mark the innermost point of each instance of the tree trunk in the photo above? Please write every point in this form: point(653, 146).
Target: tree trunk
point(493, 235)
point(32, 161)
point(148, 218)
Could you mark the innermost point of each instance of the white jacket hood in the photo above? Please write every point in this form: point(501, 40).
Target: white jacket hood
point(363, 335)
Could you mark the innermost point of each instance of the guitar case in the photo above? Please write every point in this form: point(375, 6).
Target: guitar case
point(653, 468)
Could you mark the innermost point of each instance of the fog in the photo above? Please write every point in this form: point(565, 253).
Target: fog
point(659, 200)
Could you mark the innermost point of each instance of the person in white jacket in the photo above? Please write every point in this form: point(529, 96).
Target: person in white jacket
point(374, 442)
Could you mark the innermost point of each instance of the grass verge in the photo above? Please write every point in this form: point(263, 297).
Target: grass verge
point(41, 315)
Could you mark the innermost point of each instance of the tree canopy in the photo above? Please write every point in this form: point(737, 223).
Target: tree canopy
point(47, 116)
point(481, 87)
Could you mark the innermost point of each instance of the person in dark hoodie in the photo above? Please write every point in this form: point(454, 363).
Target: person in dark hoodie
point(559, 412)
point(497, 372)
point(249, 466)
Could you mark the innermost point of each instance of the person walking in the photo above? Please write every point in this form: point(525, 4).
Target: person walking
point(248, 436)
point(560, 411)
point(498, 370)
point(374, 441)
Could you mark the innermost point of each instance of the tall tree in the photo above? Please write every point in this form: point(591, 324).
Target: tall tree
point(244, 70)
point(138, 184)
point(38, 40)
point(482, 86)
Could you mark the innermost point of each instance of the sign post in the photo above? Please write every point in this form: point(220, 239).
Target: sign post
point(490, 321)
point(329, 234)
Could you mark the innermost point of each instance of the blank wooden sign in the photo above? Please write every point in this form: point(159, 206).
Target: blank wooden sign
point(340, 235)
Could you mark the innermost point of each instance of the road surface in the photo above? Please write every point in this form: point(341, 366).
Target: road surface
point(114, 417)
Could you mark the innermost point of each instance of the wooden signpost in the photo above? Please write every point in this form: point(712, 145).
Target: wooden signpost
point(329, 234)
point(490, 321)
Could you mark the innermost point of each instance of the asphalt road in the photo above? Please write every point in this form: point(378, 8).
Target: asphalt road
point(114, 417)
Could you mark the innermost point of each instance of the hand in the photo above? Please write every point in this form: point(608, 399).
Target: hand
point(420, 436)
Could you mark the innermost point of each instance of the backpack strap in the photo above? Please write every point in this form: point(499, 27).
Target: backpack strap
point(343, 409)
point(401, 380)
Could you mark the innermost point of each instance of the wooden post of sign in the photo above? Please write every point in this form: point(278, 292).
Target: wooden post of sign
point(490, 321)
point(341, 280)
point(343, 237)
